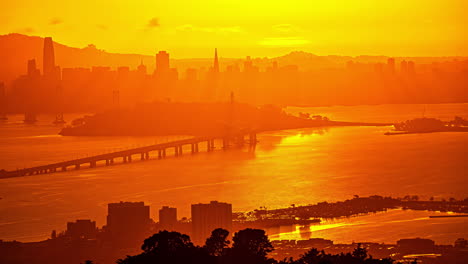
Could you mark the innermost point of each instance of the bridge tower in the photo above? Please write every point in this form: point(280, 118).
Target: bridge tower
point(59, 120)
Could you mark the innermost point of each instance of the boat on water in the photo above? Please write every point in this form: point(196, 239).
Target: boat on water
point(59, 120)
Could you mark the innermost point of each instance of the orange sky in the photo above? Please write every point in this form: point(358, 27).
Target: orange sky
point(247, 27)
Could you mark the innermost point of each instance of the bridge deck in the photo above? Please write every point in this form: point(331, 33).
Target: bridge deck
point(125, 154)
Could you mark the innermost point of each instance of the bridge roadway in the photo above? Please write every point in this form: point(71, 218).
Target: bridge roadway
point(126, 155)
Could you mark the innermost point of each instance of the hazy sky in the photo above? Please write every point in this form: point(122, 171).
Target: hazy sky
point(248, 27)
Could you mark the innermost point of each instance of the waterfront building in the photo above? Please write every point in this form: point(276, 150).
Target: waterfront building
point(167, 218)
point(82, 229)
point(128, 220)
point(207, 217)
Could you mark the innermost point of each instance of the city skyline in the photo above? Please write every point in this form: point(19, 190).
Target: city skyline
point(227, 132)
point(249, 80)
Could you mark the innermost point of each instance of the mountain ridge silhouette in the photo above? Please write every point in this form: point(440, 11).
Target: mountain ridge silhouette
point(16, 49)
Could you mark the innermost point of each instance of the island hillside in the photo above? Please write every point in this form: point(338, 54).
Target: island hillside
point(196, 119)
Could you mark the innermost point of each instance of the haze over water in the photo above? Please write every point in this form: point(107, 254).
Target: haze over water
point(299, 167)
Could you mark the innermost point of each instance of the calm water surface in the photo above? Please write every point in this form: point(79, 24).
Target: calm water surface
point(301, 166)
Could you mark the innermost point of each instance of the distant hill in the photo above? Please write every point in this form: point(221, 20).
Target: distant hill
point(17, 49)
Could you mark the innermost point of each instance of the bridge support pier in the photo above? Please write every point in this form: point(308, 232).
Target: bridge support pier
point(107, 162)
point(211, 145)
point(142, 156)
point(225, 143)
point(240, 140)
point(92, 164)
point(147, 155)
point(180, 150)
point(159, 154)
point(129, 158)
point(176, 151)
point(64, 168)
point(124, 158)
point(252, 139)
point(77, 166)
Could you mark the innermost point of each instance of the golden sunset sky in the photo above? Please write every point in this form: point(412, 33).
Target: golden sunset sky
point(247, 27)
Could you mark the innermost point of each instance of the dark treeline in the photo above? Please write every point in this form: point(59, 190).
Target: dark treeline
point(249, 246)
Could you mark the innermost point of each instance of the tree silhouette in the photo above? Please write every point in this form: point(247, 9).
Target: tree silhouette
point(168, 247)
point(251, 246)
point(359, 256)
point(217, 243)
point(360, 252)
point(166, 241)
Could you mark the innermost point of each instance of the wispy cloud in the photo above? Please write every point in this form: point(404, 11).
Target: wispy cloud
point(220, 30)
point(55, 21)
point(102, 27)
point(27, 30)
point(153, 23)
point(285, 28)
point(283, 41)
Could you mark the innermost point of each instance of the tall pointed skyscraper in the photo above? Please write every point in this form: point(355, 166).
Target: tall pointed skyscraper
point(48, 58)
point(216, 63)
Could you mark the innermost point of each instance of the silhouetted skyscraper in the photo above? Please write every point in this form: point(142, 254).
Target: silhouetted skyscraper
point(216, 62)
point(207, 217)
point(162, 61)
point(141, 68)
point(48, 68)
point(404, 67)
point(248, 64)
point(32, 70)
point(411, 68)
point(167, 218)
point(391, 65)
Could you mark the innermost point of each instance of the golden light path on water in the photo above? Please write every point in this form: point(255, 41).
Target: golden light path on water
point(395, 223)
